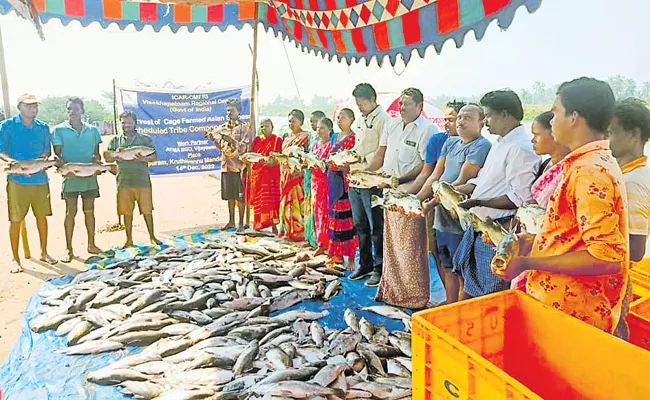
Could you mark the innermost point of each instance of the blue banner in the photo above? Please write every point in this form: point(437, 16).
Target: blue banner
point(176, 122)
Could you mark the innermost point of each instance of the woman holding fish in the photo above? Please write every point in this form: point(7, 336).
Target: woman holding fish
point(319, 188)
point(343, 239)
point(265, 180)
point(551, 169)
point(292, 193)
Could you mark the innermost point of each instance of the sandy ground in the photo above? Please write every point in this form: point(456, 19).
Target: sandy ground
point(183, 204)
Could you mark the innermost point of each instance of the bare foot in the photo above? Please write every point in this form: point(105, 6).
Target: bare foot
point(15, 267)
point(350, 265)
point(69, 256)
point(274, 229)
point(92, 249)
point(154, 240)
point(241, 228)
point(229, 225)
point(319, 251)
point(47, 259)
point(128, 244)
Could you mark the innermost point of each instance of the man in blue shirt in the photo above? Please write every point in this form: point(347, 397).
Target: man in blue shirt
point(77, 142)
point(23, 138)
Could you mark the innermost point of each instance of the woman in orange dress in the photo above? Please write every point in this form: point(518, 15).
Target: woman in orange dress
point(265, 180)
point(342, 235)
point(291, 191)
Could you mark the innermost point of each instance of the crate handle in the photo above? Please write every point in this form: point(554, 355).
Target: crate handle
point(449, 386)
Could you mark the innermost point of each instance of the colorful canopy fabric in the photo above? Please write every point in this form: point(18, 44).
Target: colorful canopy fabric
point(350, 30)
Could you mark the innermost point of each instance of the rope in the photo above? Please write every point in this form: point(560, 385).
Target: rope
point(295, 83)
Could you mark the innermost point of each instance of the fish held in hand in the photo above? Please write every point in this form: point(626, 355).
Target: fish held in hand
point(83, 170)
point(29, 167)
point(372, 179)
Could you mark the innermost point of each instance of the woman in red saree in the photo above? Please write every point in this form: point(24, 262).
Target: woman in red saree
point(291, 191)
point(343, 238)
point(265, 180)
point(319, 189)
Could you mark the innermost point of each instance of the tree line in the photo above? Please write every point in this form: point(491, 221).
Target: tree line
point(536, 99)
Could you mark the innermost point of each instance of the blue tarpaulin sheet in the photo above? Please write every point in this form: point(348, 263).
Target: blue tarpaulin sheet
point(34, 370)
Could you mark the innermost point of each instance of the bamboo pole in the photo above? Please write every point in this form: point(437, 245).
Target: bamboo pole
point(3, 73)
point(119, 217)
point(253, 105)
point(7, 108)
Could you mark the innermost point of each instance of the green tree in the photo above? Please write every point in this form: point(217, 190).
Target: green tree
point(643, 91)
point(52, 110)
point(622, 87)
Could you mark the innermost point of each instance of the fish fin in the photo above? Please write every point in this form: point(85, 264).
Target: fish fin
point(376, 201)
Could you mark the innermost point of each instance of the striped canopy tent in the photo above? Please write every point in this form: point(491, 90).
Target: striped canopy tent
point(350, 30)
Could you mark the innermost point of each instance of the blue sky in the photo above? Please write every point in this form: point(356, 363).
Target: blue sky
point(562, 40)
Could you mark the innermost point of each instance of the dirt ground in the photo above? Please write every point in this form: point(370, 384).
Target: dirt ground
point(183, 204)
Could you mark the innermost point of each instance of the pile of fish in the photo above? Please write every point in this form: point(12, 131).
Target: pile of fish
point(200, 320)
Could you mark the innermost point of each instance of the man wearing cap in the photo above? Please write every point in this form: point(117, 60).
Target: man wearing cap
point(78, 142)
point(23, 138)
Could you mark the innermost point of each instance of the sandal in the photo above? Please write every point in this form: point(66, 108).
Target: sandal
point(48, 260)
point(69, 256)
point(15, 268)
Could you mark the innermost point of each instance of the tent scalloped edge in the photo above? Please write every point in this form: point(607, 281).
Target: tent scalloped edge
point(504, 19)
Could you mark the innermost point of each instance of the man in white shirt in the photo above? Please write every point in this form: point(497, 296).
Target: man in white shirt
point(368, 221)
point(401, 153)
point(502, 185)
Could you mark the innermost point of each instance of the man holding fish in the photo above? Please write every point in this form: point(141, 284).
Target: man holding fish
point(461, 159)
point(502, 185)
point(77, 142)
point(24, 138)
point(578, 262)
point(133, 151)
point(401, 153)
point(368, 221)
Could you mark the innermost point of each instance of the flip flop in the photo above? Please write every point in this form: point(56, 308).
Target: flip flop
point(68, 258)
point(49, 260)
point(16, 268)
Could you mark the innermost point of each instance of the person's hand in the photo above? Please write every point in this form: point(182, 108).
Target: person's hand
point(510, 271)
point(59, 162)
point(119, 149)
point(270, 161)
point(383, 185)
point(140, 157)
point(70, 175)
point(469, 203)
point(428, 205)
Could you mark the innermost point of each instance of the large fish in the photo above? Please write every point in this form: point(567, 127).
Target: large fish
point(310, 161)
point(372, 179)
point(292, 163)
point(83, 170)
point(29, 167)
point(132, 153)
point(507, 249)
point(252, 158)
point(531, 216)
point(294, 151)
point(449, 199)
point(401, 202)
point(345, 157)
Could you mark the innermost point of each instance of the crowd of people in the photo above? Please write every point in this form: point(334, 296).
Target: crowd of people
point(24, 138)
point(583, 161)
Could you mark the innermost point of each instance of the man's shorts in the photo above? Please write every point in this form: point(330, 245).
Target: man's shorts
point(447, 246)
point(87, 195)
point(232, 187)
point(127, 197)
point(21, 197)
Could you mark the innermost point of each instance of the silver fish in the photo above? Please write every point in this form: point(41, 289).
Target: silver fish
point(29, 167)
point(83, 170)
point(133, 153)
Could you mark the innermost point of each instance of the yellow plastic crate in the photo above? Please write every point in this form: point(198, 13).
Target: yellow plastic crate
point(510, 346)
point(639, 322)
